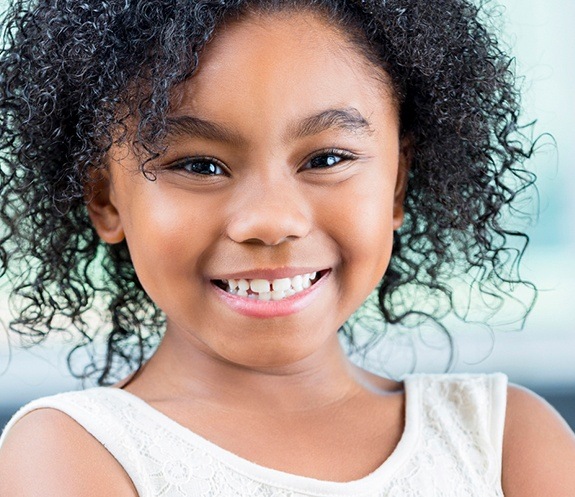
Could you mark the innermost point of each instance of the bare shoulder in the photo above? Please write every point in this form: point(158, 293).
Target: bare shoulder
point(48, 454)
point(538, 448)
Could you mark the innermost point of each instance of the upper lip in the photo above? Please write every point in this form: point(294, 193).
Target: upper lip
point(269, 274)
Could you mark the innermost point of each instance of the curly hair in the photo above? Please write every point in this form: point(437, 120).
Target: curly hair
point(72, 74)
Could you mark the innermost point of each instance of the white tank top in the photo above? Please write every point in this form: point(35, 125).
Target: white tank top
point(451, 446)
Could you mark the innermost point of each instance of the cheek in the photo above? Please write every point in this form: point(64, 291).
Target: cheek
point(365, 222)
point(166, 242)
point(362, 227)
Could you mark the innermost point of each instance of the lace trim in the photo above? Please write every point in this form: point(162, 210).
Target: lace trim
point(451, 446)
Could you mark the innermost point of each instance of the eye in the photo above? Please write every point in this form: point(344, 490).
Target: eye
point(325, 160)
point(328, 158)
point(205, 166)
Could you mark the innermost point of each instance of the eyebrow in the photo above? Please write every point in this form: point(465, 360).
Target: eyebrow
point(194, 126)
point(348, 119)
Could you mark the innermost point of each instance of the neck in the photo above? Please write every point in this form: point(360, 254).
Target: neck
point(186, 370)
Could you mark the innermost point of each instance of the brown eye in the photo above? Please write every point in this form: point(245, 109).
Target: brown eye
point(328, 158)
point(200, 165)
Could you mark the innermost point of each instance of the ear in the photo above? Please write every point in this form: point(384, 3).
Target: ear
point(101, 207)
point(404, 163)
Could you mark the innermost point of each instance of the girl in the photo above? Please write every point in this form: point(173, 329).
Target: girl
point(237, 177)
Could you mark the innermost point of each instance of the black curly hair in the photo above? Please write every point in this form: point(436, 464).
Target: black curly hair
point(72, 73)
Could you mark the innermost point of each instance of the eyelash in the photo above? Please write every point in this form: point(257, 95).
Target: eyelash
point(341, 155)
point(205, 161)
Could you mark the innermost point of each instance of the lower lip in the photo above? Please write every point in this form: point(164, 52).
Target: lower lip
point(272, 308)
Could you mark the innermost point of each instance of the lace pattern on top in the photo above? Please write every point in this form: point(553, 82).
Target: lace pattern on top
point(451, 446)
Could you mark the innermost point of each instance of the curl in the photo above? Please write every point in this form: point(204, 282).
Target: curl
point(75, 76)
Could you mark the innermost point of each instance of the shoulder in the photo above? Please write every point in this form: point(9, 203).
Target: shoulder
point(538, 448)
point(41, 451)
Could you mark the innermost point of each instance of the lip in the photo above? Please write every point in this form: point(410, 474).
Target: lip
point(270, 309)
point(270, 274)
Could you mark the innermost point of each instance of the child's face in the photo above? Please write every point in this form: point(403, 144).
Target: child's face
point(285, 159)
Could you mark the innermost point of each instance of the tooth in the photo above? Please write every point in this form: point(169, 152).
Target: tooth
point(290, 292)
point(232, 283)
point(282, 284)
point(265, 296)
point(297, 283)
point(306, 281)
point(242, 293)
point(260, 286)
point(278, 294)
point(243, 285)
point(252, 296)
point(312, 275)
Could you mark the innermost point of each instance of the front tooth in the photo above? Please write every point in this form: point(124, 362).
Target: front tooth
point(265, 296)
point(260, 286)
point(297, 283)
point(243, 285)
point(282, 284)
point(278, 294)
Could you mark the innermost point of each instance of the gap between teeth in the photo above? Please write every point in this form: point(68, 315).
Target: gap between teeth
point(269, 290)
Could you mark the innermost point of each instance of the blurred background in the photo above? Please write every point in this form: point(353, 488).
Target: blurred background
point(542, 355)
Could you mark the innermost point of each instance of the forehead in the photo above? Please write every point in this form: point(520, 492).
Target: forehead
point(285, 63)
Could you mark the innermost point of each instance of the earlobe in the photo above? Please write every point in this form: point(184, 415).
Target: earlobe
point(405, 157)
point(101, 207)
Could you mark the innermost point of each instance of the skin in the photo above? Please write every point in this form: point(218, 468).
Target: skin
point(284, 379)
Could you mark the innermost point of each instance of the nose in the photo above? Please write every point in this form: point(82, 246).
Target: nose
point(269, 212)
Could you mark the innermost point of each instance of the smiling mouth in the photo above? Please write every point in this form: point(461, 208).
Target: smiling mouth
point(266, 290)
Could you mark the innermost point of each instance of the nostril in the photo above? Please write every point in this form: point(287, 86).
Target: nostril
point(256, 241)
point(271, 242)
